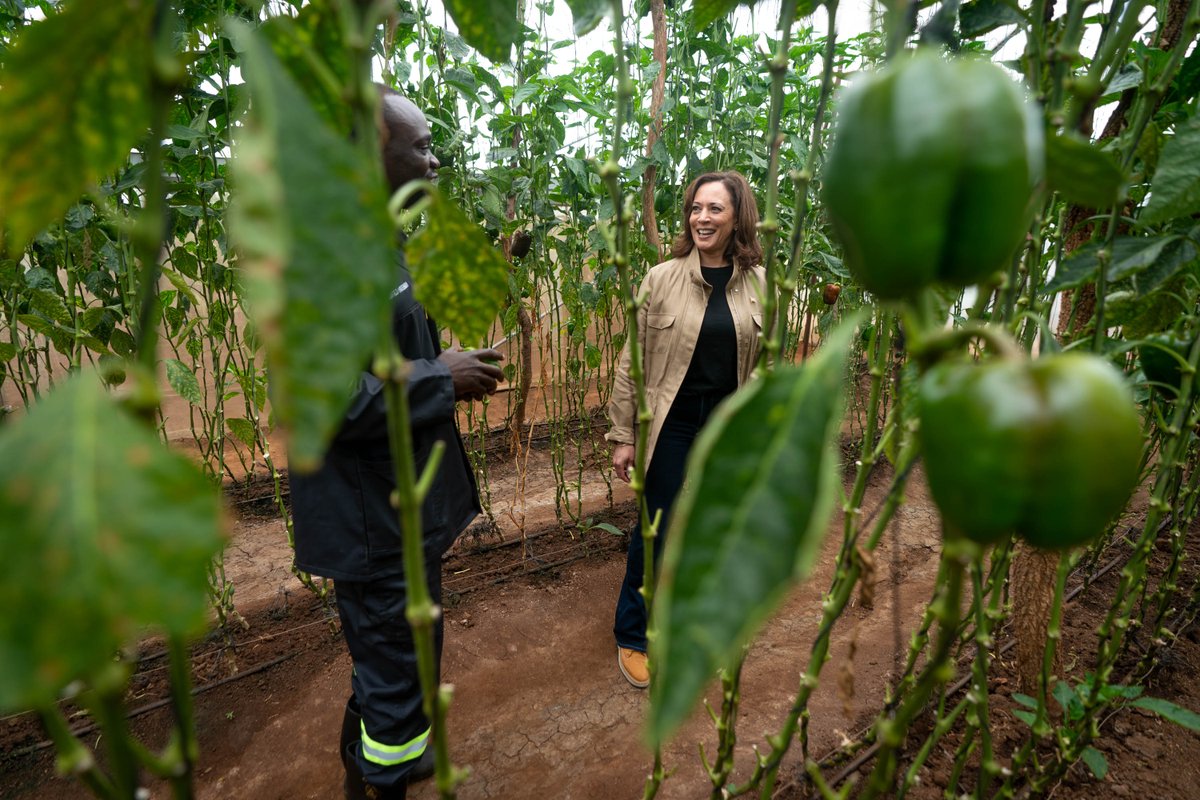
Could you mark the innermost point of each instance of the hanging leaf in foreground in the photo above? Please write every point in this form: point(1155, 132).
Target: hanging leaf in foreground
point(490, 26)
point(74, 101)
point(310, 219)
point(103, 533)
point(1175, 191)
point(458, 275)
point(761, 478)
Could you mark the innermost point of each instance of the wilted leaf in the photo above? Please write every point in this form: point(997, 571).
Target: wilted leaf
point(74, 101)
point(490, 26)
point(1082, 173)
point(762, 476)
point(1175, 190)
point(458, 275)
point(103, 532)
point(311, 222)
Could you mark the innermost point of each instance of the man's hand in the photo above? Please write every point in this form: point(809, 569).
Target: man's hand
point(473, 376)
point(623, 460)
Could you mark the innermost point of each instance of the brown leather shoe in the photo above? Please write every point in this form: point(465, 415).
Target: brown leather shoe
point(633, 667)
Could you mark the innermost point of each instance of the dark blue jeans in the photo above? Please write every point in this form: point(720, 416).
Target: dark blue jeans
point(664, 478)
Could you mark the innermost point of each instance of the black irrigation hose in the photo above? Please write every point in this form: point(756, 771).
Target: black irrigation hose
point(869, 753)
point(87, 728)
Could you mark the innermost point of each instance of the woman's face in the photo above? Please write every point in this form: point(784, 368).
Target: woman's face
point(711, 221)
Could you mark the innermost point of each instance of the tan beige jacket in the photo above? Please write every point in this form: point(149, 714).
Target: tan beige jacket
point(676, 296)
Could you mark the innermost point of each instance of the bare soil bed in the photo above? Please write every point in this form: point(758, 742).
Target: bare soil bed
point(540, 710)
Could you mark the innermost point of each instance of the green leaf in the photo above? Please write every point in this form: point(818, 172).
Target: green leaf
point(1129, 256)
point(490, 26)
point(121, 342)
point(1025, 700)
point(978, 17)
point(1169, 711)
point(310, 220)
point(180, 283)
point(1082, 173)
point(761, 477)
point(103, 532)
point(607, 528)
point(1175, 255)
point(588, 13)
point(49, 305)
point(74, 103)
point(706, 12)
point(243, 429)
point(458, 275)
point(312, 48)
point(183, 381)
point(1095, 761)
point(1065, 695)
point(1127, 77)
point(1175, 190)
point(1028, 717)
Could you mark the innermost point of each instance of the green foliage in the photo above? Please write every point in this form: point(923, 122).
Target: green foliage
point(588, 13)
point(460, 277)
point(184, 382)
point(977, 17)
point(1169, 711)
point(490, 26)
point(1175, 191)
point(1095, 761)
point(103, 534)
point(706, 12)
point(1082, 173)
point(763, 473)
point(69, 121)
point(310, 221)
point(311, 46)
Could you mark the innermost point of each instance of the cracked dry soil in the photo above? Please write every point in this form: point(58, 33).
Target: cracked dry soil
point(539, 709)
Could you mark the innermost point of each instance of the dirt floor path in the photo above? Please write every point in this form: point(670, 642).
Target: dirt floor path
point(540, 709)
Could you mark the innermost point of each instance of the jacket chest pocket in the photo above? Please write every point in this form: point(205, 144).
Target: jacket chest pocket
point(661, 328)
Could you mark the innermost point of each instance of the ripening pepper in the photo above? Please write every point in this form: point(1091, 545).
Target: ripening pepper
point(1048, 449)
point(931, 173)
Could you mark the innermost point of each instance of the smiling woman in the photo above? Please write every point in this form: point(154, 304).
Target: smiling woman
point(699, 330)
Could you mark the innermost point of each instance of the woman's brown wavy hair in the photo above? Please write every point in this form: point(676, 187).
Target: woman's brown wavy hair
point(744, 249)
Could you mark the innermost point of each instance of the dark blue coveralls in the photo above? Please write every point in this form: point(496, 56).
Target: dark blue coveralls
point(347, 530)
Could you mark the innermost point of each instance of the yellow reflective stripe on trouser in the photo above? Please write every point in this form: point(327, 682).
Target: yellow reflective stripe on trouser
point(388, 755)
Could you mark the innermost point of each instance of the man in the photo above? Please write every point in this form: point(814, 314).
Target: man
point(346, 528)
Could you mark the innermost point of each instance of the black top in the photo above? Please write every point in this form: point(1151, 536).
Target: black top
point(713, 370)
point(345, 525)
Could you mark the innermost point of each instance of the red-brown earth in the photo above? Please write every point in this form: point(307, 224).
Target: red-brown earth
point(539, 709)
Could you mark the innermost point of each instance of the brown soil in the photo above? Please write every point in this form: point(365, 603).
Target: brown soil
point(540, 710)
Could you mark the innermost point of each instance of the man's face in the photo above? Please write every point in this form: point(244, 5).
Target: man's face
point(406, 143)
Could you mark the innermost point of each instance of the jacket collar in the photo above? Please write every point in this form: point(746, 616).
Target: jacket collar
point(691, 263)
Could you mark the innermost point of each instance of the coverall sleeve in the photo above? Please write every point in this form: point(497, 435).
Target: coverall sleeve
point(430, 401)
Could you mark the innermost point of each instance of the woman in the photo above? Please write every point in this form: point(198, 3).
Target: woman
point(699, 329)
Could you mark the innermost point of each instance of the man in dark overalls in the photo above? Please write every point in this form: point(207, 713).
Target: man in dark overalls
point(346, 528)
